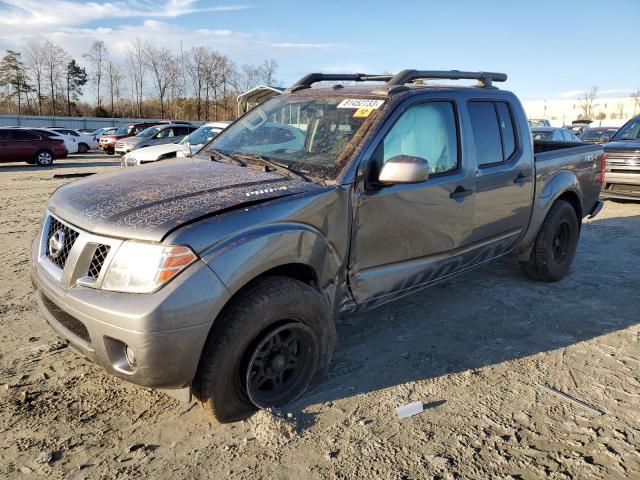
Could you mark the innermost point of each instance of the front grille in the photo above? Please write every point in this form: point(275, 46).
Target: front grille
point(98, 260)
point(69, 236)
point(69, 322)
point(623, 158)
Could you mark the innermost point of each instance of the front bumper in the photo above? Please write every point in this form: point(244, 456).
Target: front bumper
point(166, 330)
point(625, 185)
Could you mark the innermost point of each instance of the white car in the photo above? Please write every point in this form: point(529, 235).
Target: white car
point(185, 148)
point(86, 141)
point(70, 142)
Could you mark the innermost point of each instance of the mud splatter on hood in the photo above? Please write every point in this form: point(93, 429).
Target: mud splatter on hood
point(145, 203)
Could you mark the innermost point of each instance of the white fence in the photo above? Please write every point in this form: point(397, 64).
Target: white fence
point(70, 122)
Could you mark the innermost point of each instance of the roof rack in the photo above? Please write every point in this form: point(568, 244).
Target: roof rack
point(485, 79)
point(397, 82)
point(308, 80)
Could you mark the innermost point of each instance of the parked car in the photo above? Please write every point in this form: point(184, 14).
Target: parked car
point(107, 143)
point(623, 162)
point(185, 148)
point(223, 275)
point(578, 126)
point(85, 141)
point(70, 142)
point(554, 134)
point(104, 131)
point(598, 135)
point(539, 122)
point(156, 135)
point(25, 145)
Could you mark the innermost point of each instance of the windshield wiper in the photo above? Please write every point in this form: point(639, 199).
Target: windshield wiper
point(278, 167)
point(226, 157)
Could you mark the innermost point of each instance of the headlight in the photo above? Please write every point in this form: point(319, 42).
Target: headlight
point(144, 267)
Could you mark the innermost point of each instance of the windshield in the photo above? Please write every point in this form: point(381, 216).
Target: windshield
point(630, 130)
point(200, 136)
point(306, 132)
point(542, 135)
point(124, 130)
point(149, 132)
point(596, 133)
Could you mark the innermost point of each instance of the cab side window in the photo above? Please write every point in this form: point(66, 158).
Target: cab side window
point(426, 130)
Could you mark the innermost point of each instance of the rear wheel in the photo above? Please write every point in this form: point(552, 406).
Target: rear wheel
point(555, 246)
point(44, 158)
point(268, 345)
point(83, 148)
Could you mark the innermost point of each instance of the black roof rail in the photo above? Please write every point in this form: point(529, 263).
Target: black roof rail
point(310, 79)
point(485, 79)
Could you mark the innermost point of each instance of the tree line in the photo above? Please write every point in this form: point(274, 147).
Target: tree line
point(153, 82)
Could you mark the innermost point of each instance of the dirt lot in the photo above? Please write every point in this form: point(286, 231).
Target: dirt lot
point(477, 352)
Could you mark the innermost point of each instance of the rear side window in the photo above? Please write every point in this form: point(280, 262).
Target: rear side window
point(506, 129)
point(24, 135)
point(426, 130)
point(493, 132)
point(486, 133)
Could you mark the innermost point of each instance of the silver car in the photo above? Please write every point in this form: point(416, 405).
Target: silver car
point(156, 135)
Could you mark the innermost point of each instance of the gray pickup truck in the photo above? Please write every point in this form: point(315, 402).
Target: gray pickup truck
point(222, 275)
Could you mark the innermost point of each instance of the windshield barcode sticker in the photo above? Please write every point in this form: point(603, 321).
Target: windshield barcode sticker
point(360, 103)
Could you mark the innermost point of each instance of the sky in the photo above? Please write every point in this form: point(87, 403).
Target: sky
point(549, 49)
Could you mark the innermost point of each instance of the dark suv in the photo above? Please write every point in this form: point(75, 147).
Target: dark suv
point(623, 162)
point(21, 145)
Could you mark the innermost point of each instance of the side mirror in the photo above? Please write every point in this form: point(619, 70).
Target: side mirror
point(404, 169)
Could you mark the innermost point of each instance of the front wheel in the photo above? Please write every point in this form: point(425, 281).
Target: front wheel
point(265, 349)
point(44, 158)
point(83, 148)
point(555, 246)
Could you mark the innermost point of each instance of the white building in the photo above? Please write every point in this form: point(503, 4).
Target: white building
point(612, 112)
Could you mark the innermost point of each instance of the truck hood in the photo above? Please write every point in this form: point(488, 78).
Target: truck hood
point(147, 203)
point(628, 145)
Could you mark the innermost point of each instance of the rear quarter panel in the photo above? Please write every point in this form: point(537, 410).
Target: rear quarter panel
point(575, 170)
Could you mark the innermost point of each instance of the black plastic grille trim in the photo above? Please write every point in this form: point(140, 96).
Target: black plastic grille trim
point(98, 260)
point(69, 322)
point(70, 236)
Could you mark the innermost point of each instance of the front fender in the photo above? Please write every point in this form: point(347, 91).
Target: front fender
point(241, 259)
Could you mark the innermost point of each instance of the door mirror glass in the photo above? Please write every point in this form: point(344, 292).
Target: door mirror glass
point(404, 169)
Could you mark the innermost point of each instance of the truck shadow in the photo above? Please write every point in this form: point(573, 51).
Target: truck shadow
point(488, 316)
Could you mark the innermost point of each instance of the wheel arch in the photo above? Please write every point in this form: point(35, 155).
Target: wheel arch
point(563, 185)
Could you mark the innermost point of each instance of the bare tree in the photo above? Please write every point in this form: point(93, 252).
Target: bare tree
point(196, 68)
point(136, 59)
point(35, 65)
point(268, 71)
point(636, 101)
point(586, 102)
point(115, 77)
point(161, 64)
point(55, 62)
point(97, 56)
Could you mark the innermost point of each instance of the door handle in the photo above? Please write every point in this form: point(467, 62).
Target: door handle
point(459, 193)
point(521, 179)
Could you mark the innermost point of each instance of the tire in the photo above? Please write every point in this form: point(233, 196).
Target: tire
point(83, 148)
point(242, 348)
point(555, 246)
point(44, 158)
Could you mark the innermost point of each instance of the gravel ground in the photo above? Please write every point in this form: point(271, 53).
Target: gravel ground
point(483, 353)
